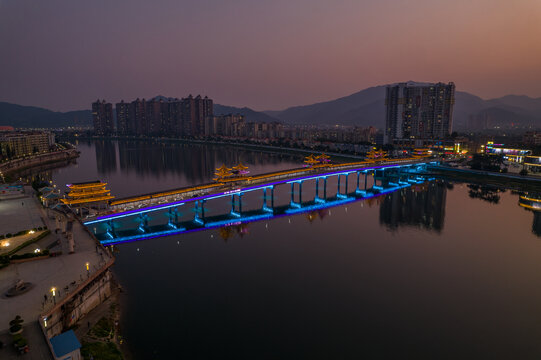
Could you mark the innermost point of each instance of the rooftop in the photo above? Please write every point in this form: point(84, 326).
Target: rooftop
point(65, 343)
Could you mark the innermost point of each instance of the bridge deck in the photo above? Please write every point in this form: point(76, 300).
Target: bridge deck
point(154, 197)
point(163, 200)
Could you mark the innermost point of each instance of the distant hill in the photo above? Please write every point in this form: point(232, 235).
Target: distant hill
point(363, 108)
point(367, 107)
point(35, 117)
point(250, 115)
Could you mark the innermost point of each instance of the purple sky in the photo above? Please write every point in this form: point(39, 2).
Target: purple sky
point(263, 54)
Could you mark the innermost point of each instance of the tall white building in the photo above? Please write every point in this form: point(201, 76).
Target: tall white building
point(418, 112)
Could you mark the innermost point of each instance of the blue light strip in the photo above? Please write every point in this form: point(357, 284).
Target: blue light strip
point(243, 190)
point(248, 219)
point(133, 212)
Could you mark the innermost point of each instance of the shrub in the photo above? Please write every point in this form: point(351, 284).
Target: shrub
point(30, 255)
point(8, 235)
point(16, 324)
point(39, 228)
point(21, 342)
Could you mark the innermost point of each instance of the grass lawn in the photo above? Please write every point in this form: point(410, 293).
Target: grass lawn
point(100, 351)
point(103, 328)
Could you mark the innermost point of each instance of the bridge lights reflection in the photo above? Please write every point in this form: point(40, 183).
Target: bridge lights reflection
point(382, 181)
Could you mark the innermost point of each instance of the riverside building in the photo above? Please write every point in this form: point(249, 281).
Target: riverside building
point(16, 144)
point(187, 117)
point(418, 113)
point(102, 118)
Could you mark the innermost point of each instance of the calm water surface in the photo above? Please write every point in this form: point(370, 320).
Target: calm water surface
point(428, 272)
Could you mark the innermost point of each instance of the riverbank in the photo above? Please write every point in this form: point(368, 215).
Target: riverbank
point(519, 182)
point(64, 288)
point(247, 146)
point(37, 160)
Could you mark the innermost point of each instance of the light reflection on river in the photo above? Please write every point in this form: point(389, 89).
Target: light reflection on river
point(437, 271)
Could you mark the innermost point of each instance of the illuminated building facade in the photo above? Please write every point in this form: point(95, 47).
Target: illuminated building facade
point(509, 154)
point(17, 144)
point(418, 112)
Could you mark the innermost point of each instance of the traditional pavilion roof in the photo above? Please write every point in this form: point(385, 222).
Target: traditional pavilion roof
point(45, 189)
point(240, 167)
point(86, 185)
point(310, 159)
point(52, 195)
point(223, 168)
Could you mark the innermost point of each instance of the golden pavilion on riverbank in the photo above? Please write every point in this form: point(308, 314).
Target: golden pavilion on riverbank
point(87, 194)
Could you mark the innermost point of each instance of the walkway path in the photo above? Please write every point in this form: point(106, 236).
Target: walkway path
point(36, 342)
point(63, 273)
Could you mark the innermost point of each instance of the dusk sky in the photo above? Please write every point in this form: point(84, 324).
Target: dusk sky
point(63, 55)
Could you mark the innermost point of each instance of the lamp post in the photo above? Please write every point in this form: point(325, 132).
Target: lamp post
point(87, 269)
point(53, 290)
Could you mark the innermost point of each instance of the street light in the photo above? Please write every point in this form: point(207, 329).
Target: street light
point(53, 290)
point(87, 269)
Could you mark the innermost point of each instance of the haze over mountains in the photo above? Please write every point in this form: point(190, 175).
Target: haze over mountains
point(364, 108)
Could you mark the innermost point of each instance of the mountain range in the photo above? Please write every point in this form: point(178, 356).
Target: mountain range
point(364, 108)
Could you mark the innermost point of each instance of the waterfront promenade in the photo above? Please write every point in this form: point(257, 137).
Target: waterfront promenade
point(65, 272)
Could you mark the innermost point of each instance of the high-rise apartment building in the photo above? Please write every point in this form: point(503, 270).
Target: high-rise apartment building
point(163, 117)
point(102, 116)
point(196, 113)
point(418, 112)
point(122, 119)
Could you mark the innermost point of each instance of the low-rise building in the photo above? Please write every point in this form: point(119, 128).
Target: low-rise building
point(16, 144)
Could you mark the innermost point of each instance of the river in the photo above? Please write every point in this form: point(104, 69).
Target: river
point(442, 270)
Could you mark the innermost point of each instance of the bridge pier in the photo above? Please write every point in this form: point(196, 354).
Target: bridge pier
point(325, 189)
point(265, 206)
point(339, 192)
point(173, 218)
point(234, 205)
point(199, 207)
point(111, 229)
point(379, 178)
point(358, 190)
point(317, 199)
point(143, 222)
point(293, 203)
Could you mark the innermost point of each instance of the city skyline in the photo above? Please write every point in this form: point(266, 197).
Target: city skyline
point(265, 55)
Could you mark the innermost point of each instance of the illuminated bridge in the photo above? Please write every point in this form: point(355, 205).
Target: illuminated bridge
point(301, 191)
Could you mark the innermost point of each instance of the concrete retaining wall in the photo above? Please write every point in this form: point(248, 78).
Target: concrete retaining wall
point(37, 160)
point(83, 300)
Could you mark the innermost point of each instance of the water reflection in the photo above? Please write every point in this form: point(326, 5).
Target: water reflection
point(487, 193)
point(421, 206)
point(160, 158)
point(531, 201)
point(227, 232)
point(313, 215)
point(105, 156)
point(132, 167)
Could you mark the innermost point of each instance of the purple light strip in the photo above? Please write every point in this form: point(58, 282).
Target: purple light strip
point(251, 188)
point(250, 219)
